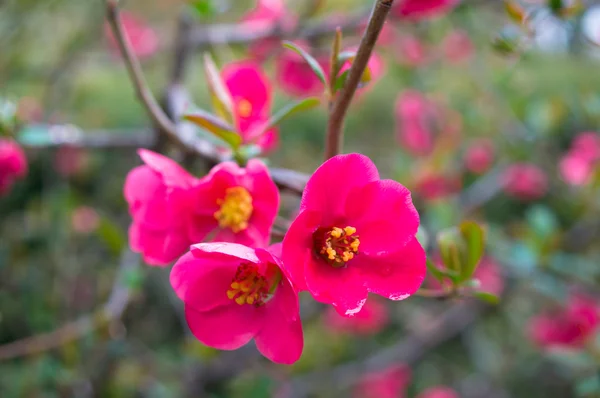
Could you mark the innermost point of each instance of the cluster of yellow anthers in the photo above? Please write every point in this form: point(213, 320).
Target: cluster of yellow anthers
point(340, 245)
point(248, 286)
point(236, 209)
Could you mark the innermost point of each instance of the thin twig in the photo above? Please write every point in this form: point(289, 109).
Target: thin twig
point(340, 106)
point(112, 310)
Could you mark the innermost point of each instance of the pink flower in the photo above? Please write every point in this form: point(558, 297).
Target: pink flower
point(267, 15)
point(457, 46)
point(439, 392)
point(415, 115)
point(70, 160)
point(85, 219)
point(587, 146)
point(388, 383)
point(158, 194)
point(525, 181)
point(251, 93)
point(410, 51)
point(434, 186)
point(233, 294)
point(420, 9)
point(479, 156)
point(143, 39)
point(13, 164)
point(234, 204)
point(575, 169)
point(570, 327)
point(354, 234)
point(371, 319)
point(295, 77)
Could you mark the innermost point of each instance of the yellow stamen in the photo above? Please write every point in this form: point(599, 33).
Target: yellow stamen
point(236, 209)
point(336, 245)
point(244, 108)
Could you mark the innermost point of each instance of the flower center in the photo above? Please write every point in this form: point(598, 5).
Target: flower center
point(250, 287)
point(236, 209)
point(336, 245)
point(244, 108)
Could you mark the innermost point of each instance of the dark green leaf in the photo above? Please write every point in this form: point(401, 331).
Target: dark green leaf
point(112, 236)
point(215, 126)
point(340, 81)
point(204, 8)
point(474, 237)
point(313, 63)
point(435, 271)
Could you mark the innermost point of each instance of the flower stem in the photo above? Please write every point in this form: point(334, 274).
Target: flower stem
point(338, 112)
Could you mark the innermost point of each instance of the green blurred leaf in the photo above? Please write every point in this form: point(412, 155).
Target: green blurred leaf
point(451, 245)
point(345, 56)
point(588, 387)
point(112, 236)
point(542, 220)
point(204, 8)
point(474, 237)
point(34, 135)
point(313, 63)
point(221, 99)
point(487, 297)
point(435, 271)
point(216, 126)
point(340, 81)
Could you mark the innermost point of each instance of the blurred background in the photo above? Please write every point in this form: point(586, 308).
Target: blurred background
point(486, 110)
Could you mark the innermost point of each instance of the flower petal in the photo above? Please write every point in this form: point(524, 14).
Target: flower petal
point(225, 252)
point(157, 247)
point(173, 175)
point(297, 246)
point(383, 215)
point(341, 287)
point(202, 283)
point(396, 276)
point(330, 185)
point(226, 327)
point(281, 338)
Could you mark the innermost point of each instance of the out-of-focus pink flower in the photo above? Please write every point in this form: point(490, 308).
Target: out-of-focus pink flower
point(295, 77)
point(84, 219)
point(70, 160)
point(587, 146)
point(457, 46)
point(13, 164)
point(233, 294)
point(355, 234)
point(252, 95)
point(575, 169)
point(570, 327)
point(389, 383)
point(525, 181)
point(234, 204)
point(410, 51)
point(434, 186)
point(420, 9)
point(479, 156)
point(439, 392)
point(159, 198)
point(143, 39)
point(266, 15)
point(488, 273)
point(371, 319)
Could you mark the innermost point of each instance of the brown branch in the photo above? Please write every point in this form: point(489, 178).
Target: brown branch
point(112, 310)
point(335, 125)
point(245, 33)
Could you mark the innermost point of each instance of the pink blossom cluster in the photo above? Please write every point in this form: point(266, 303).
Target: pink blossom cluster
point(354, 235)
point(579, 163)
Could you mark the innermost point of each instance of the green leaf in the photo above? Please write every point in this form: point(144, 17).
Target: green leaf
point(487, 297)
point(435, 271)
point(219, 94)
point(340, 81)
point(216, 126)
point(345, 56)
point(204, 8)
point(313, 63)
point(112, 236)
point(474, 237)
point(588, 387)
point(451, 245)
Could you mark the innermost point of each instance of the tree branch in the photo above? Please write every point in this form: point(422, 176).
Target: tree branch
point(335, 125)
point(112, 310)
